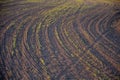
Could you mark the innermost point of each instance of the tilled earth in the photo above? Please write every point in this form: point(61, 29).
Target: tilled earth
point(59, 40)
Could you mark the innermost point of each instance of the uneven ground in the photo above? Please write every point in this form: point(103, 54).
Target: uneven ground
point(59, 40)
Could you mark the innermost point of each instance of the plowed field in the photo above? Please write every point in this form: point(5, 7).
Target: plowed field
point(59, 40)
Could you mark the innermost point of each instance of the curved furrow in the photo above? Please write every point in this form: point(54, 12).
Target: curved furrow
point(15, 33)
point(94, 60)
point(10, 51)
point(89, 24)
point(73, 54)
point(17, 20)
point(16, 15)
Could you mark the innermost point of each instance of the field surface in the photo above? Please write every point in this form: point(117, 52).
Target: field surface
point(59, 39)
